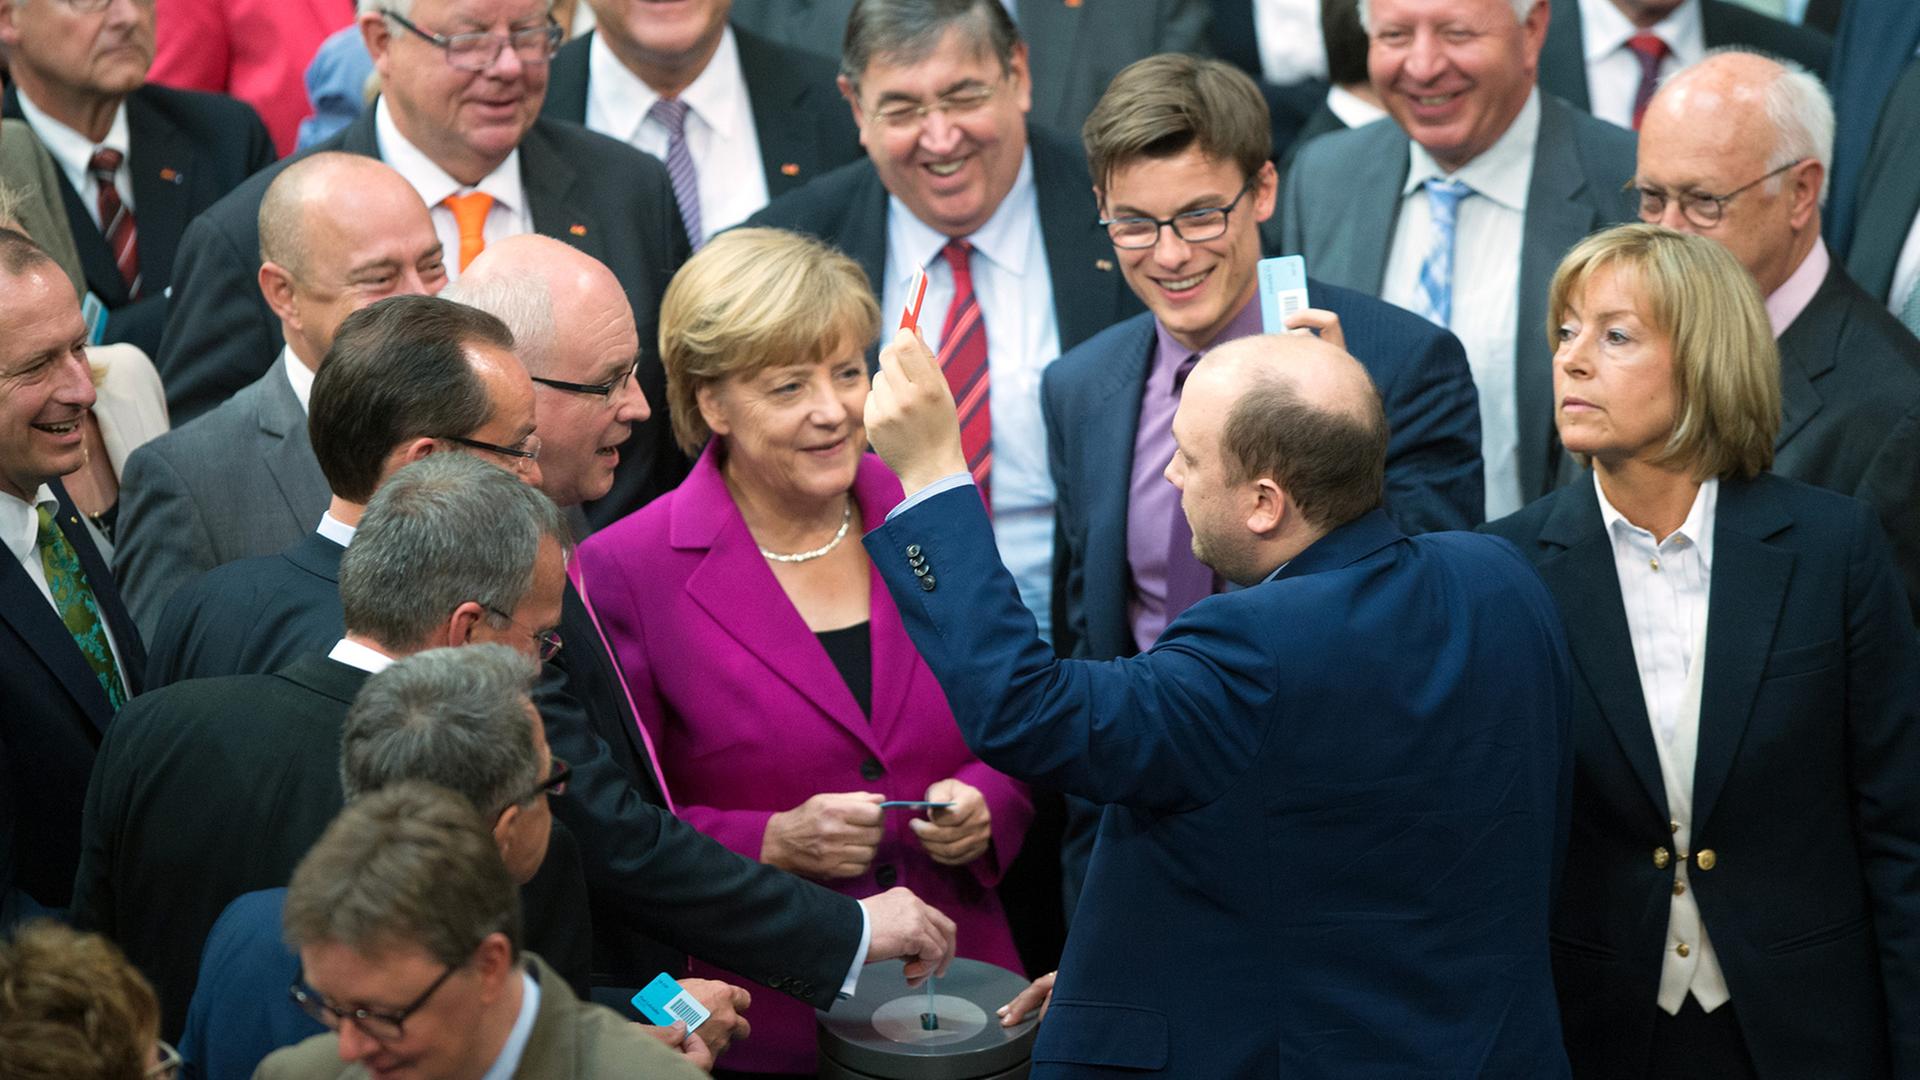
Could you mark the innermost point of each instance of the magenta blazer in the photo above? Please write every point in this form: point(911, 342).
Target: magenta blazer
point(748, 716)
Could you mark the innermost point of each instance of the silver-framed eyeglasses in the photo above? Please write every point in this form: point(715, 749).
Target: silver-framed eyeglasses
point(480, 49)
point(95, 7)
point(547, 641)
point(909, 115)
point(1703, 210)
point(1193, 226)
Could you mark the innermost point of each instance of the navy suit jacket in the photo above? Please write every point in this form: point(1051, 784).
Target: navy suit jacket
point(53, 714)
point(1874, 44)
point(1803, 788)
point(1889, 194)
point(1723, 23)
point(802, 124)
point(1333, 803)
point(252, 616)
point(240, 1011)
point(1091, 400)
point(185, 150)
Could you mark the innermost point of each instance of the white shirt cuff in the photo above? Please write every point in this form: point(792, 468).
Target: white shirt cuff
point(944, 484)
point(860, 957)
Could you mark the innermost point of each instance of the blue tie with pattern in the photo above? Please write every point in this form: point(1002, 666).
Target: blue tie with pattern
point(1436, 273)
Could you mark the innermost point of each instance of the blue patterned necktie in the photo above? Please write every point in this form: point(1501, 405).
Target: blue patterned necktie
point(74, 601)
point(671, 113)
point(1436, 273)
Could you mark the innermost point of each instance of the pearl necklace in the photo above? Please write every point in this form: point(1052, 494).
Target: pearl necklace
point(846, 519)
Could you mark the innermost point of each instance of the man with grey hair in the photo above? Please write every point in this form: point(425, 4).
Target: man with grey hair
point(337, 232)
point(214, 787)
point(1737, 148)
point(1460, 209)
point(410, 949)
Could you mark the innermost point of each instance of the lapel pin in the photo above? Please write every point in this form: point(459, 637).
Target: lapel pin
point(577, 230)
point(1103, 264)
point(171, 176)
point(790, 169)
point(1073, 3)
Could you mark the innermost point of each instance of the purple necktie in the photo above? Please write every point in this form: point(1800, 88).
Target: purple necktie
point(671, 113)
point(1188, 579)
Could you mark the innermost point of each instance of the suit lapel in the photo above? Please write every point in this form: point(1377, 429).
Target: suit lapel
point(288, 456)
point(1058, 25)
point(33, 620)
point(1563, 59)
point(786, 128)
point(1582, 576)
point(317, 555)
point(1807, 353)
point(1080, 263)
point(1889, 189)
point(894, 656)
point(167, 182)
point(567, 81)
point(1114, 411)
point(1356, 253)
point(1556, 219)
point(548, 179)
point(1749, 589)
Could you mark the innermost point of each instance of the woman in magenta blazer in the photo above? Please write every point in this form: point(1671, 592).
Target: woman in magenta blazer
point(766, 662)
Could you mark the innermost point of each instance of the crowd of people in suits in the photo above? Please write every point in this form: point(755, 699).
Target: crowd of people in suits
point(482, 532)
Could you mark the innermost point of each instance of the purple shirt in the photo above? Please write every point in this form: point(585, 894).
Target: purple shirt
point(1151, 500)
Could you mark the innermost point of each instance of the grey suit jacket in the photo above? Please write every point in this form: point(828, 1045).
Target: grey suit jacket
point(1889, 189)
point(1075, 49)
point(570, 1038)
point(237, 483)
point(1342, 201)
point(27, 169)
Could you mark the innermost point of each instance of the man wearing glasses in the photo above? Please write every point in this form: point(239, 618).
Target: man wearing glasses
point(462, 86)
point(136, 161)
point(1737, 148)
point(999, 216)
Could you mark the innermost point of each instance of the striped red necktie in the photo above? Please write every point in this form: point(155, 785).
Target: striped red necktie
point(963, 358)
point(116, 221)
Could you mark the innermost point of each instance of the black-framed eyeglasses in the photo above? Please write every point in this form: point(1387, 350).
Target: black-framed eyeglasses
point(599, 390)
point(1193, 226)
point(1703, 210)
point(528, 448)
point(548, 640)
point(558, 773)
point(385, 1027)
point(909, 115)
point(169, 1064)
point(479, 50)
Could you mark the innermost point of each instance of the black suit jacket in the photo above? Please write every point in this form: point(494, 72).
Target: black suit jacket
point(1889, 198)
point(1723, 23)
point(597, 194)
point(1809, 739)
point(803, 125)
point(185, 150)
point(53, 714)
point(252, 616)
point(216, 787)
point(1850, 411)
point(848, 209)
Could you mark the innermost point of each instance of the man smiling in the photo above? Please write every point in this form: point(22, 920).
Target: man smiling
point(955, 183)
point(1461, 207)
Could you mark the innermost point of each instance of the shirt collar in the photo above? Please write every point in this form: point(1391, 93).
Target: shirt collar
point(298, 374)
point(1004, 240)
point(508, 1062)
point(1697, 529)
point(717, 96)
point(1604, 30)
point(1352, 109)
point(360, 657)
point(70, 148)
point(1794, 294)
point(430, 180)
point(20, 522)
point(335, 530)
point(1503, 173)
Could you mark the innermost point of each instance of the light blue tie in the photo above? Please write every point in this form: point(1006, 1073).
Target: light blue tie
point(1436, 273)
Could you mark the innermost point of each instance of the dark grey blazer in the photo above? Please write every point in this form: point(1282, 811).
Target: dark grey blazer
point(237, 483)
point(1341, 203)
point(1563, 59)
point(1889, 196)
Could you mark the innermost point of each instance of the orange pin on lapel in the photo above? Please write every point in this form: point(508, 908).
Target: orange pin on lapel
point(790, 169)
point(1073, 3)
point(170, 176)
point(577, 230)
point(1103, 264)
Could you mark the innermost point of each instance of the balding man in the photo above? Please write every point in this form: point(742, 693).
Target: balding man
point(1296, 775)
point(337, 232)
point(1737, 148)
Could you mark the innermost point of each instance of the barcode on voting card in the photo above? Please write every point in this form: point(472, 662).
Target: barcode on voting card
point(1290, 303)
point(683, 1008)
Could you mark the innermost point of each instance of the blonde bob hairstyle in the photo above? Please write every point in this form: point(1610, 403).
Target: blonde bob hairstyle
point(752, 299)
point(1726, 367)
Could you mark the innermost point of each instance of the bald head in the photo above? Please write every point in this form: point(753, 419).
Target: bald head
point(575, 330)
point(1754, 131)
point(338, 232)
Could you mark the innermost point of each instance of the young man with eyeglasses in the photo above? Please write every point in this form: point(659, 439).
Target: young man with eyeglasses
point(136, 161)
point(1179, 148)
point(1737, 148)
point(998, 214)
point(410, 945)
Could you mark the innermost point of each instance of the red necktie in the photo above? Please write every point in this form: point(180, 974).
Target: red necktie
point(963, 358)
point(1649, 50)
point(116, 221)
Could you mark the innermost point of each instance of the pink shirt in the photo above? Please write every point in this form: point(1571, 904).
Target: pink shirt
point(1794, 294)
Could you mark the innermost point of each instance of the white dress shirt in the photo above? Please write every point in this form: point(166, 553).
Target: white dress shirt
point(299, 375)
point(509, 215)
point(1013, 283)
point(1664, 586)
point(1613, 70)
point(1291, 47)
point(719, 128)
point(1490, 228)
point(73, 152)
point(335, 530)
point(20, 526)
point(1906, 271)
point(1352, 109)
